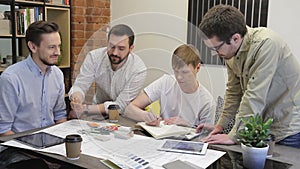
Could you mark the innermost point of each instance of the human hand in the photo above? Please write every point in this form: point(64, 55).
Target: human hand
point(77, 111)
point(218, 139)
point(155, 122)
point(76, 103)
point(149, 117)
point(176, 120)
point(216, 130)
point(205, 126)
point(76, 97)
point(77, 106)
point(72, 115)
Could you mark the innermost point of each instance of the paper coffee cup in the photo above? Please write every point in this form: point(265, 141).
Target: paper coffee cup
point(73, 146)
point(113, 113)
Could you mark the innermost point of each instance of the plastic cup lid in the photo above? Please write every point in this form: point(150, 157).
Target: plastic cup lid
point(73, 138)
point(114, 106)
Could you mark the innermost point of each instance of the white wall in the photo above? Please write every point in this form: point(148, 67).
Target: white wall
point(283, 19)
point(161, 26)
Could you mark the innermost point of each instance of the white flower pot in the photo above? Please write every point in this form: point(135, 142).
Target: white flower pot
point(254, 158)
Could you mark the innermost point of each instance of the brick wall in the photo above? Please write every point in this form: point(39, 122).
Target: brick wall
point(88, 16)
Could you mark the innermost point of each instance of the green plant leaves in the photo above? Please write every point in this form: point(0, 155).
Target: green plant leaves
point(256, 132)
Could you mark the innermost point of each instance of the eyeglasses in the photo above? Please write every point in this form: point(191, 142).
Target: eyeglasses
point(217, 47)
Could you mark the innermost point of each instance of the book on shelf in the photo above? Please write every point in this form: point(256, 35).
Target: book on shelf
point(25, 16)
point(62, 2)
point(20, 17)
point(170, 131)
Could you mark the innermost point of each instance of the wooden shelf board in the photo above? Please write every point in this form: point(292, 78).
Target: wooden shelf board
point(58, 5)
point(29, 2)
point(6, 35)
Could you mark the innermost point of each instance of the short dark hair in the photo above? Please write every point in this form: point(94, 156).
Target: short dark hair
point(223, 21)
point(121, 30)
point(36, 29)
point(184, 55)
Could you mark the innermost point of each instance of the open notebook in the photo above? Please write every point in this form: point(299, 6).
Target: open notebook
point(169, 131)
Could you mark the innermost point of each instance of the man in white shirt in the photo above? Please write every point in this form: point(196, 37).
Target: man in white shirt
point(183, 100)
point(119, 74)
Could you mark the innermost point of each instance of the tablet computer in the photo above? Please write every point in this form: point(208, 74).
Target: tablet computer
point(180, 146)
point(40, 140)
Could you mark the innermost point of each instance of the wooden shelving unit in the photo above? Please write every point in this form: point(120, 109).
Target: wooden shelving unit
point(14, 42)
point(59, 13)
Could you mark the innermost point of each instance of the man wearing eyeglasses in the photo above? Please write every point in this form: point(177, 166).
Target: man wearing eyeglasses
point(263, 76)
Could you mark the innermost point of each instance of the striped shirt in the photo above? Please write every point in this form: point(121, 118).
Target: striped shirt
point(120, 86)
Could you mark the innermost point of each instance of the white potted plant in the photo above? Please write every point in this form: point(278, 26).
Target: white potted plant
point(254, 141)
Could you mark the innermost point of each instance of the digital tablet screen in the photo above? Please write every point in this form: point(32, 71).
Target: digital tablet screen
point(184, 146)
point(40, 140)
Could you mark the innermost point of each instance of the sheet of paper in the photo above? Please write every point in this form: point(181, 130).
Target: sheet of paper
point(114, 148)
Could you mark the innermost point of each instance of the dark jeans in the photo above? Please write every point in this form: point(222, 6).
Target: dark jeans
point(292, 141)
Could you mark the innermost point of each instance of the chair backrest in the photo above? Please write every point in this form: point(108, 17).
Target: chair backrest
point(219, 110)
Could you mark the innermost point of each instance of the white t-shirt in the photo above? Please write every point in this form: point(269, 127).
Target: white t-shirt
point(195, 108)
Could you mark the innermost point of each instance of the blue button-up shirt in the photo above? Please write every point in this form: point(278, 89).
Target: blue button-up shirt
point(29, 99)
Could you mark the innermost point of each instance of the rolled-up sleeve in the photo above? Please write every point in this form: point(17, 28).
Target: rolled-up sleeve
point(8, 103)
point(86, 76)
point(59, 109)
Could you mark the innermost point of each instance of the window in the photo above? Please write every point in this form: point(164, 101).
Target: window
point(255, 11)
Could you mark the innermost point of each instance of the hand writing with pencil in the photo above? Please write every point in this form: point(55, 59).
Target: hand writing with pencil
point(152, 119)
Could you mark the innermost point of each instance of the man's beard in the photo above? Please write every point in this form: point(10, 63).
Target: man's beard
point(44, 61)
point(118, 60)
